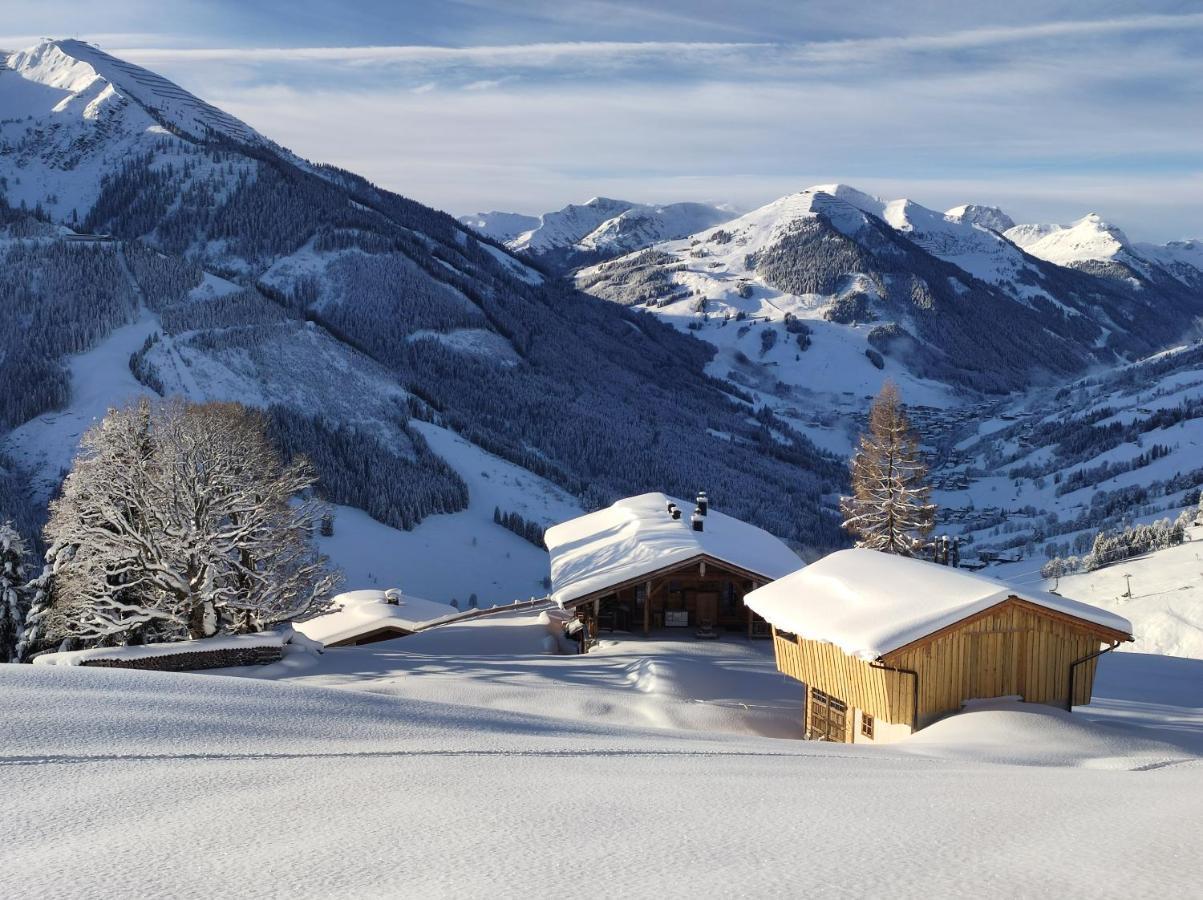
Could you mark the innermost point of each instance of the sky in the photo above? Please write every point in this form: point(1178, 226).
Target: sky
point(1048, 109)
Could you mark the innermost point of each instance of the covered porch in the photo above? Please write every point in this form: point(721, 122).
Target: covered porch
point(700, 599)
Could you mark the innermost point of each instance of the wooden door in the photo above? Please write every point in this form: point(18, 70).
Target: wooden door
point(828, 717)
point(707, 607)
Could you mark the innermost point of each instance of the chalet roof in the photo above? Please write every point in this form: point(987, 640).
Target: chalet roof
point(357, 613)
point(637, 537)
point(869, 603)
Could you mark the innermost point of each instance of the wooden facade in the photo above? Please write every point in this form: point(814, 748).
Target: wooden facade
point(1015, 648)
point(700, 592)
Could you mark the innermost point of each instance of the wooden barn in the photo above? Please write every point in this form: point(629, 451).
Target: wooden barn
point(653, 562)
point(886, 645)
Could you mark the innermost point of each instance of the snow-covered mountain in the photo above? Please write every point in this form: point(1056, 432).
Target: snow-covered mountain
point(500, 226)
point(603, 228)
point(987, 216)
point(894, 285)
point(356, 316)
point(1092, 244)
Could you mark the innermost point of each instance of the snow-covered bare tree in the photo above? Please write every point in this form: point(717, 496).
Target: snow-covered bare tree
point(889, 509)
point(12, 591)
point(180, 521)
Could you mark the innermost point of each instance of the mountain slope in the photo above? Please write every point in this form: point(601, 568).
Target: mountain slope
point(500, 226)
point(602, 228)
point(599, 400)
point(951, 300)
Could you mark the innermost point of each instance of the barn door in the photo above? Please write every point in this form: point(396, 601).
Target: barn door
point(828, 717)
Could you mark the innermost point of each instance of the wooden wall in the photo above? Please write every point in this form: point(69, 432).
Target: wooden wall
point(879, 692)
point(1014, 648)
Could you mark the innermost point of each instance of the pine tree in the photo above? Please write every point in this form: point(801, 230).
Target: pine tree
point(889, 509)
point(12, 592)
point(1199, 514)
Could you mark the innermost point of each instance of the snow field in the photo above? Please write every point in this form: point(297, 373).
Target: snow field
point(382, 787)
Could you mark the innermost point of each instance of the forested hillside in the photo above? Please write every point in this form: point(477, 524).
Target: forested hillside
point(600, 400)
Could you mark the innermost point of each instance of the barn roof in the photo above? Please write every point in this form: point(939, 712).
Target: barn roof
point(869, 603)
point(637, 537)
point(357, 613)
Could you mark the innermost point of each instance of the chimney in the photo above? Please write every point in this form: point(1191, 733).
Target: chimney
point(674, 511)
point(703, 503)
point(698, 519)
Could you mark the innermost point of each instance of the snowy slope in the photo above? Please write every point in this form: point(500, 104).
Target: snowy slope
point(500, 226)
point(642, 226)
point(565, 227)
point(1089, 238)
point(73, 114)
point(987, 216)
point(602, 228)
point(649, 755)
point(454, 555)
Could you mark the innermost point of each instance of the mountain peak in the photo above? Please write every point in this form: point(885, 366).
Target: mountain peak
point(75, 67)
point(987, 216)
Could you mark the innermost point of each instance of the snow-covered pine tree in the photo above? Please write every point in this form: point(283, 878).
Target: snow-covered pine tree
point(889, 509)
point(40, 592)
point(182, 524)
point(12, 591)
point(1199, 514)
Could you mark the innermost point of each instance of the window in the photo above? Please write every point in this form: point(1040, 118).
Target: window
point(866, 725)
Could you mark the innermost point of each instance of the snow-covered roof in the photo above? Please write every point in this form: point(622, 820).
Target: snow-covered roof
point(357, 613)
point(869, 603)
point(173, 648)
point(636, 537)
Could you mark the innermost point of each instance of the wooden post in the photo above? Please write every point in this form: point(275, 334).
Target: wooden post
point(647, 608)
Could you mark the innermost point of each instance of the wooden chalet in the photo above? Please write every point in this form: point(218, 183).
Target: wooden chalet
point(654, 562)
point(886, 645)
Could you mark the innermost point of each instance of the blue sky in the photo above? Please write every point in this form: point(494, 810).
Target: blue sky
point(1050, 110)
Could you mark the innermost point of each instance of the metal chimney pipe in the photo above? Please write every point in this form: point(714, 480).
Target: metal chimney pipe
point(698, 519)
point(703, 503)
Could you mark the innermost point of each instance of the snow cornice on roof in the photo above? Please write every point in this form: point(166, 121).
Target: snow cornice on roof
point(871, 604)
point(636, 538)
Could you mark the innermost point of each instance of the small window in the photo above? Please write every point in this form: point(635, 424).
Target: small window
point(866, 725)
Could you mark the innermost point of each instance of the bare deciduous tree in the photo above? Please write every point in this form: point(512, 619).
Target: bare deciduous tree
point(179, 521)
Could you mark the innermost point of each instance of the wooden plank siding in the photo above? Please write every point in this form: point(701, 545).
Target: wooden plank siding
point(879, 692)
point(1013, 648)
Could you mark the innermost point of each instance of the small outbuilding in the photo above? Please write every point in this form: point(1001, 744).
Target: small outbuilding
point(886, 645)
point(367, 616)
point(655, 562)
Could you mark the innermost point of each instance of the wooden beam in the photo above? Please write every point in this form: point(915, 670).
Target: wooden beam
point(647, 608)
point(702, 569)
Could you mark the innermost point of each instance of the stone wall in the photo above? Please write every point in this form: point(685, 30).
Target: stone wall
point(193, 659)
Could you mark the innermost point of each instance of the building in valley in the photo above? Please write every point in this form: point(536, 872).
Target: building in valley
point(886, 645)
point(367, 616)
point(654, 562)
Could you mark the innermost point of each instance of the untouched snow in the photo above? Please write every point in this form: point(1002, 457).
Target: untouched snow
point(869, 604)
point(100, 379)
point(647, 758)
point(1166, 606)
point(500, 226)
point(455, 555)
point(636, 536)
point(1089, 238)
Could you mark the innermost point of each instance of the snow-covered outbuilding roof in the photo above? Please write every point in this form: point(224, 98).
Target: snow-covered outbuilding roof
point(359, 613)
point(637, 537)
point(869, 603)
